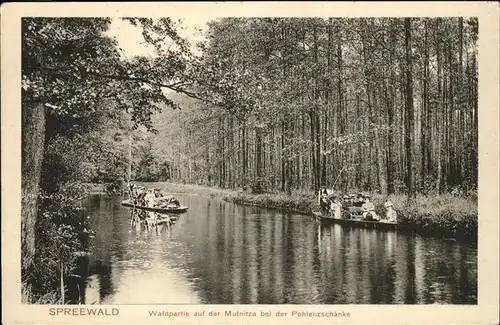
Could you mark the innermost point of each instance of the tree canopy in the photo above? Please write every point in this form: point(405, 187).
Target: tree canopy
point(76, 88)
point(378, 104)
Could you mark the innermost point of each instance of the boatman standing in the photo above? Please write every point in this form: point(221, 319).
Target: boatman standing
point(323, 201)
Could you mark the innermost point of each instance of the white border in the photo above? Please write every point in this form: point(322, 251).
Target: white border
point(486, 312)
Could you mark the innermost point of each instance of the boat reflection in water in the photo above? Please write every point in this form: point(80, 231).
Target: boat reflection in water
point(221, 253)
point(141, 220)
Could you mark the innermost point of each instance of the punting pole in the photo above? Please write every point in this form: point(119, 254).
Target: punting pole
point(129, 169)
point(338, 177)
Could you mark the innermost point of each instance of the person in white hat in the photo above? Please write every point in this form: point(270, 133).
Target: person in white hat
point(335, 208)
point(369, 210)
point(150, 198)
point(390, 215)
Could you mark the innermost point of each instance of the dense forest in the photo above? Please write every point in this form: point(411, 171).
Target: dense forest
point(270, 105)
point(387, 105)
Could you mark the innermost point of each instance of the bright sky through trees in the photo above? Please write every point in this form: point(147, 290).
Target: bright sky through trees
point(131, 42)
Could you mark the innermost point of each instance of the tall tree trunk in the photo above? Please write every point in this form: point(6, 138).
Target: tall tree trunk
point(390, 115)
point(288, 168)
point(327, 85)
point(424, 126)
point(207, 166)
point(409, 110)
point(190, 167)
point(129, 163)
point(428, 107)
point(302, 162)
point(222, 157)
point(359, 166)
point(475, 128)
point(380, 160)
point(317, 122)
point(33, 142)
point(61, 269)
point(451, 145)
point(461, 106)
point(283, 158)
point(258, 159)
point(373, 140)
point(230, 170)
point(341, 126)
point(439, 122)
point(324, 156)
point(298, 162)
point(244, 153)
point(271, 169)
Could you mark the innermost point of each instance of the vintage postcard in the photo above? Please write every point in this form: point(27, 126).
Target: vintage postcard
point(250, 162)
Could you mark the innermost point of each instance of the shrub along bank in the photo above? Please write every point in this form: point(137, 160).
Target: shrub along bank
point(443, 215)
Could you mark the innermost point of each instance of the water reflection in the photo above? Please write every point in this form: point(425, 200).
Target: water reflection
point(221, 253)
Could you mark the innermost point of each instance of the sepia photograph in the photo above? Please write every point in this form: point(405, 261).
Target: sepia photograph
point(249, 160)
point(261, 160)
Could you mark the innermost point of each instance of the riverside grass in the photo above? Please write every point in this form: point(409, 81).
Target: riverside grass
point(50, 298)
point(440, 215)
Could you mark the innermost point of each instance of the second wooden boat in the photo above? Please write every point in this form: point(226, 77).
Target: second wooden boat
point(357, 223)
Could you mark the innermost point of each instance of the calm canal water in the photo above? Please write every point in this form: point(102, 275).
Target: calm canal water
point(222, 253)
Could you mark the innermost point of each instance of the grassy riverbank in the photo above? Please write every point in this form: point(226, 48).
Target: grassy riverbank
point(440, 215)
point(166, 187)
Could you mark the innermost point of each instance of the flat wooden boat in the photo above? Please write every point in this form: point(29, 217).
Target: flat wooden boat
point(357, 223)
point(177, 210)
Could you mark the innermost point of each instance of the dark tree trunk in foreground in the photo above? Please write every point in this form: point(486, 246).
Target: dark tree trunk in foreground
point(33, 138)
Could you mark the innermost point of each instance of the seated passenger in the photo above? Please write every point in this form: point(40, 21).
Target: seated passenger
point(157, 192)
point(331, 208)
point(336, 208)
point(390, 214)
point(353, 199)
point(359, 200)
point(175, 203)
point(164, 200)
point(169, 202)
point(369, 210)
point(149, 198)
point(139, 199)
